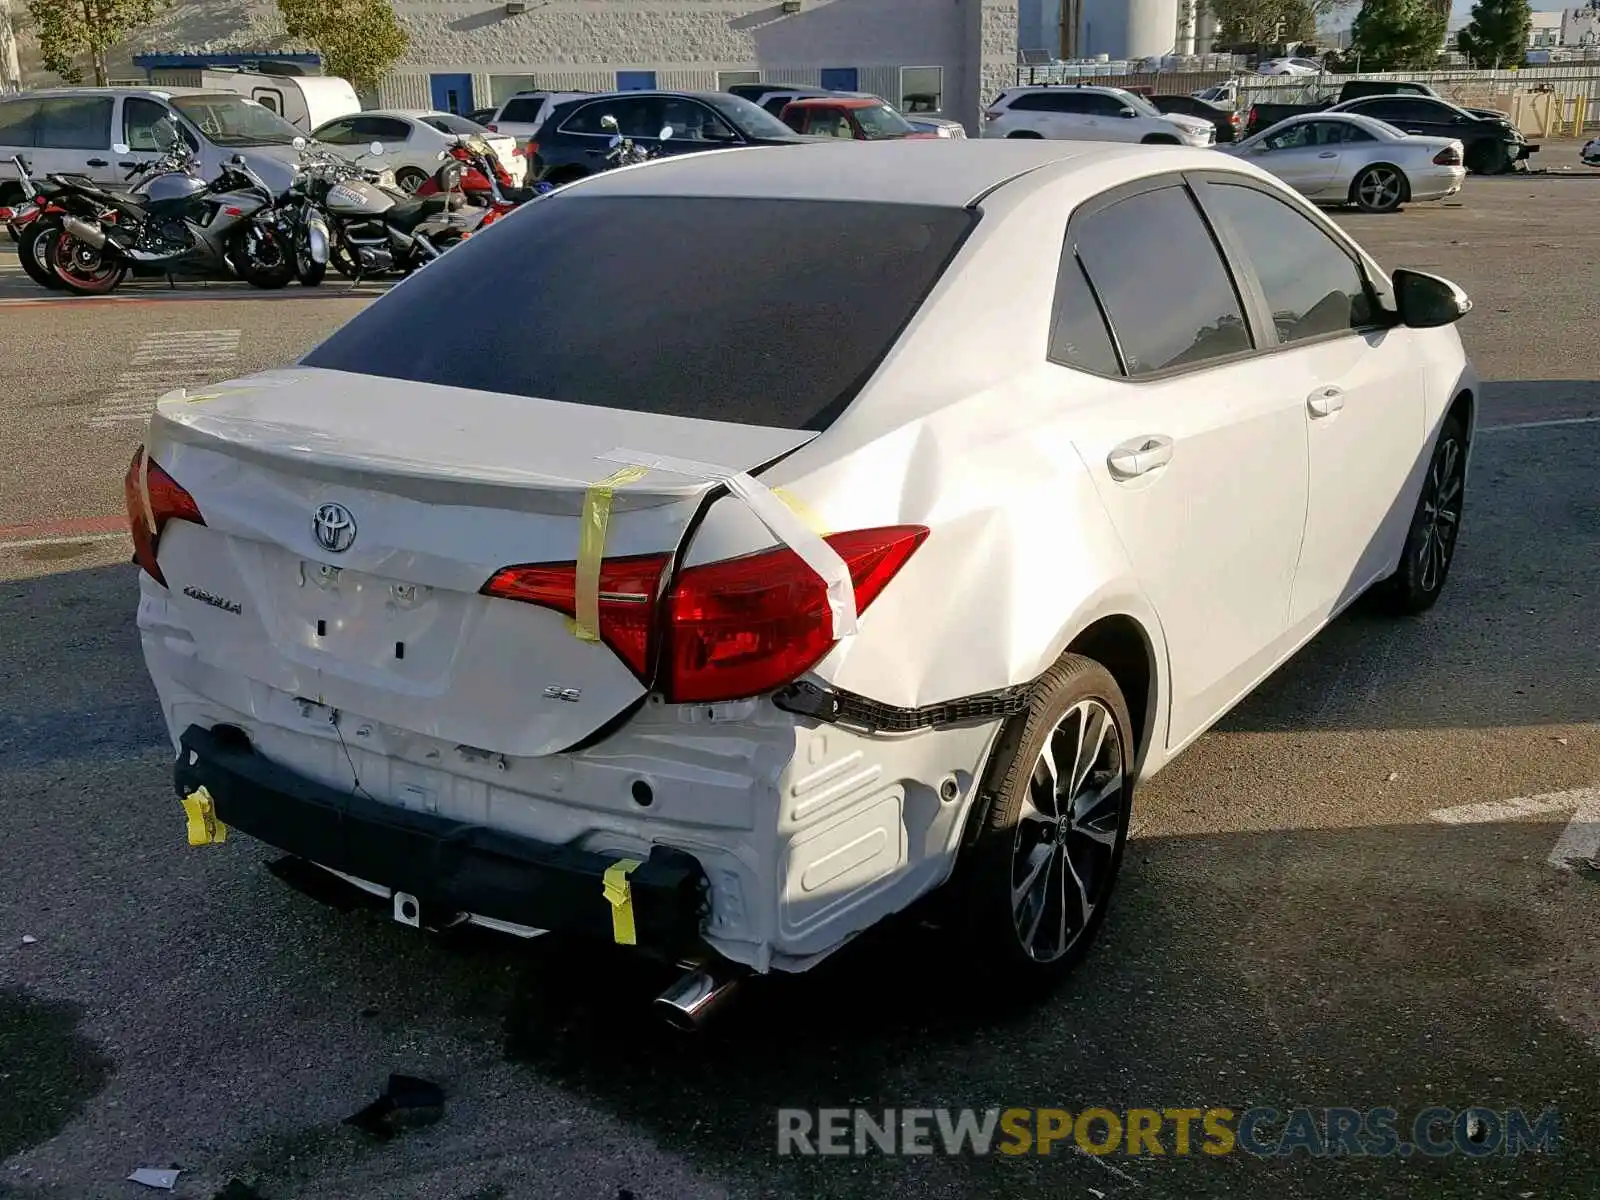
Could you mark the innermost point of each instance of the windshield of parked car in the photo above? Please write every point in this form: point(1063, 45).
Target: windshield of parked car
point(452, 124)
point(235, 121)
point(881, 121)
point(751, 118)
point(614, 301)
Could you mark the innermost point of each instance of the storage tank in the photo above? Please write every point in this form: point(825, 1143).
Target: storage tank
point(1130, 28)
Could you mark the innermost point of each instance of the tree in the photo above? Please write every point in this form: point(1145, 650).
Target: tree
point(1267, 22)
point(359, 39)
point(68, 29)
point(1398, 34)
point(1497, 35)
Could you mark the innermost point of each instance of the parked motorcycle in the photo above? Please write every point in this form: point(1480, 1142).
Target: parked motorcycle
point(31, 224)
point(173, 219)
point(624, 151)
point(372, 230)
point(485, 182)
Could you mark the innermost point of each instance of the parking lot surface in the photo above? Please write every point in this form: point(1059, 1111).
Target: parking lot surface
point(1297, 924)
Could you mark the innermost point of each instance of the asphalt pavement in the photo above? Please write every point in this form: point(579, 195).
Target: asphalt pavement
point(1343, 896)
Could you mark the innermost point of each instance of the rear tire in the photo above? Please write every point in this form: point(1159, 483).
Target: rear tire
point(1158, 139)
point(1025, 133)
point(1487, 157)
point(410, 179)
point(83, 270)
point(1035, 878)
point(1380, 188)
point(34, 248)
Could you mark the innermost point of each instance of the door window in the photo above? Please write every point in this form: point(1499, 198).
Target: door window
point(1098, 104)
point(338, 133)
point(16, 122)
point(1045, 102)
point(139, 117)
point(1403, 109)
point(269, 99)
point(524, 110)
point(1293, 138)
point(74, 123)
point(380, 129)
point(635, 118)
point(1161, 280)
point(1312, 286)
point(1079, 336)
point(692, 122)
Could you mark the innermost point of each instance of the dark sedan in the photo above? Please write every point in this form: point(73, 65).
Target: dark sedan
point(573, 141)
point(1225, 120)
point(1493, 144)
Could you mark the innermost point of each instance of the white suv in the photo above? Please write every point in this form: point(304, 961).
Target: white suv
point(1090, 114)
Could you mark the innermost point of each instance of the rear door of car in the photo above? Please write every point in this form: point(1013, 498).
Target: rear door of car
point(1198, 452)
point(73, 134)
point(695, 127)
point(1413, 114)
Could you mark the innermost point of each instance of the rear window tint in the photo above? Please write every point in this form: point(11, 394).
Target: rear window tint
point(761, 312)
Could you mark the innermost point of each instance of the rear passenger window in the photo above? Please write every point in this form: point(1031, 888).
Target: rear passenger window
point(522, 112)
point(1078, 334)
point(1161, 281)
point(74, 123)
point(1312, 285)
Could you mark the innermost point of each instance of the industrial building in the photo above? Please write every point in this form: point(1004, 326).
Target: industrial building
point(947, 58)
point(1117, 29)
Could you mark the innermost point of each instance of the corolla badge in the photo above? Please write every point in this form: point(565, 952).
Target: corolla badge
point(334, 528)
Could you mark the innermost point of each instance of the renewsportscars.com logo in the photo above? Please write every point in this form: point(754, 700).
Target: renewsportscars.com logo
point(1264, 1132)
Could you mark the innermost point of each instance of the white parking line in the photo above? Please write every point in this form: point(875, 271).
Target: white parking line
point(161, 362)
point(1579, 843)
point(1541, 424)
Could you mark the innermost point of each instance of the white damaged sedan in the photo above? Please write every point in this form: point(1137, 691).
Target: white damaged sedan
point(822, 543)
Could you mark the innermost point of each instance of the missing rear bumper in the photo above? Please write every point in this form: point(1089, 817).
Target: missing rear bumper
point(448, 867)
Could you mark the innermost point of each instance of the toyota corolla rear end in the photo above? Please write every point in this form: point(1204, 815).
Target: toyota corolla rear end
point(539, 663)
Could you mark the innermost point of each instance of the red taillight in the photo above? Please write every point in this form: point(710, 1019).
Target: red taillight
point(1252, 116)
point(492, 127)
point(168, 502)
point(747, 625)
point(734, 628)
point(530, 149)
point(1234, 119)
point(628, 590)
point(5, 213)
point(1450, 156)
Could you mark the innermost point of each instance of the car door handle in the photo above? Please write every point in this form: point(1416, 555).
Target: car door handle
point(127, 166)
point(1139, 456)
point(1329, 154)
point(98, 162)
point(1325, 401)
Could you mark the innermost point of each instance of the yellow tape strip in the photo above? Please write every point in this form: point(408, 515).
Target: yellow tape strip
point(620, 895)
point(798, 507)
point(204, 828)
point(592, 549)
point(144, 491)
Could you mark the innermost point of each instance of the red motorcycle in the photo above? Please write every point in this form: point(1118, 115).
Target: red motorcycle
point(484, 181)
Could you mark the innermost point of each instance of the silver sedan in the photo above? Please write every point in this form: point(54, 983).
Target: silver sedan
point(1346, 158)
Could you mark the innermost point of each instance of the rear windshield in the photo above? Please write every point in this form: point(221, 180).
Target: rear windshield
point(761, 312)
point(450, 123)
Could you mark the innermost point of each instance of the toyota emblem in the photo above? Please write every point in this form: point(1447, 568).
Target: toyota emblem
point(334, 527)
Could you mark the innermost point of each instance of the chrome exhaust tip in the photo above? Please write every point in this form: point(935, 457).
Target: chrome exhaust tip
point(697, 996)
point(90, 235)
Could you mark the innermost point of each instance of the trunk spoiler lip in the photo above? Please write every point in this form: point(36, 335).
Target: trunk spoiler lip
point(182, 416)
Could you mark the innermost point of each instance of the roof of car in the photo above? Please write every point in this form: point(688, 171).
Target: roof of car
point(932, 171)
point(835, 102)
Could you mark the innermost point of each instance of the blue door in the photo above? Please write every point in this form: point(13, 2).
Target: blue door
point(840, 79)
point(452, 93)
point(636, 81)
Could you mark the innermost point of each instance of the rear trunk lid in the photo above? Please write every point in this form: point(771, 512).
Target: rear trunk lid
point(441, 488)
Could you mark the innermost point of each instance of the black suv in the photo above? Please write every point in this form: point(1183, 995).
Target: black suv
point(573, 143)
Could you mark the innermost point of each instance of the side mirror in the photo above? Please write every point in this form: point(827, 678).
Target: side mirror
point(609, 123)
point(376, 148)
point(1128, 112)
point(238, 160)
point(666, 132)
point(299, 143)
point(1426, 301)
point(119, 148)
